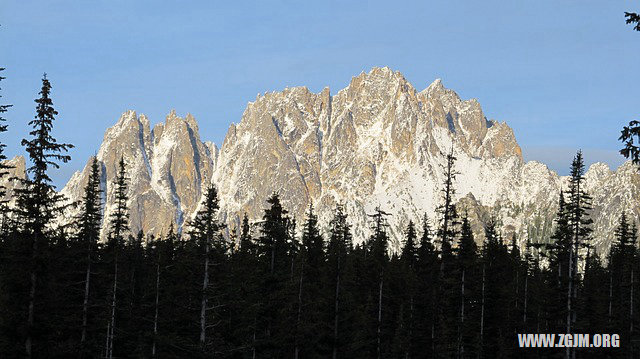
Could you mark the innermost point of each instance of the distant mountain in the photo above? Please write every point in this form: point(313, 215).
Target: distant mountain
point(377, 142)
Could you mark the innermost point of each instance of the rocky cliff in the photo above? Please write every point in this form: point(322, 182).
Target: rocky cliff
point(377, 142)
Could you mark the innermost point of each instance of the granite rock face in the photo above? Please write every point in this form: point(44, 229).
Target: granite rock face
point(166, 170)
point(377, 142)
point(380, 142)
point(10, 181)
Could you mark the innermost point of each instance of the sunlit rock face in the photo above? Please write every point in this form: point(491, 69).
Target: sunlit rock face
point(166, 168)
point(377, 142)
point(10, 181)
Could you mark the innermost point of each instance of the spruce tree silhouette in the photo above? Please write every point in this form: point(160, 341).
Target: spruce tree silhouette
point(118, 228)
point(37, 202)
point(90, 222)
point(206, 230)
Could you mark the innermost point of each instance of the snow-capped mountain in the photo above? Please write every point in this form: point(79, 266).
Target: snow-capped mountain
point(377, 142)
point(166, 169)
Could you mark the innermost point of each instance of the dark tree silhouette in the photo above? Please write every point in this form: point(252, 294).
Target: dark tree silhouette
point(633, 18)
point(118, 227)
point(90, 222)
point(630, 136)
point(206, 230)
point(38, 203)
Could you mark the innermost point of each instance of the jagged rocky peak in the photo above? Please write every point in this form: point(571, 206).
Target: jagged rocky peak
point(180, 162)
point(377, 142)
point(278, 137)
point(353, 146)
point(465, 119)
point(166, 169)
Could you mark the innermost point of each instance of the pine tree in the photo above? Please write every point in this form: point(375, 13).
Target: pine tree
point(378, 254)
point(494, 299)
point(207, 230)
point(594, 302)
point(448, 231)
point(579, 223)
point(622, 269)
point(409, 250)
point(339, 250)
point(243, 309)
point(274, 253)
point(160, 263)
point(89, 222)
point(449, 221)
point(37, 201)
point(246, 244)
point(468, 279)
point(309, 303)
point(405, 335)
point(118, 228)
point(428, 289)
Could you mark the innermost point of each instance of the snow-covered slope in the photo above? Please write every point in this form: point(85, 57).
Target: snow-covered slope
point(378, 142)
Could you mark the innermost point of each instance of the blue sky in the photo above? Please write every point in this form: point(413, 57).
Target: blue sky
point(563, 74)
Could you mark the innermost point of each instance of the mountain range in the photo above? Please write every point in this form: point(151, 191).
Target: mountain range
point(377, 142)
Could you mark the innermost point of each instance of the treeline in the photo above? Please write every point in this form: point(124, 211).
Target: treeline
point(268, 293)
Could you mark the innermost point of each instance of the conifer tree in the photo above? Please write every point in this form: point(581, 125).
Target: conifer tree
point(579, 223)
point(408, 280)
point(275, 273)
point(623, 278)
point(428, 269)
point(467, 258)
point(339, 249)
point(559, 251)
point(246, 244)
point(594, 301)
point(37, 201)
point(449, 221)
point(448, 231)
point(309, 303)
point(118, 228)
point(89, 222)
point(494, 298)
point(161, 254)
point(133, 278)
point(410, 250)
point(243, 308)
point(379, 256)
point(207, 230)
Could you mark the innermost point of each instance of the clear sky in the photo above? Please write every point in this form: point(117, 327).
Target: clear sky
point(563, 74)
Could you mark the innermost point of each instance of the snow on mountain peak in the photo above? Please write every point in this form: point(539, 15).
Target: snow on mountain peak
point(377, 142)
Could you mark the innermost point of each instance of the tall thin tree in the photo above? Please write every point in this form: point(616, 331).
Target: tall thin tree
point(90, 222)
point(578, 207)
point(118, 227)
point(206, 229)
point(38, 203)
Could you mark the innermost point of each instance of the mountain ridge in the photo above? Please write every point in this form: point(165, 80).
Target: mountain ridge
point(377, 142)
